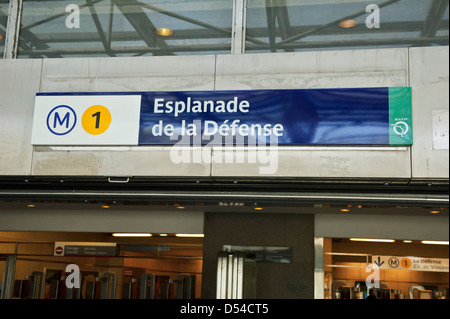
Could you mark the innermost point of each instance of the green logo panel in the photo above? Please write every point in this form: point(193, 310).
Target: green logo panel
point(400, 116)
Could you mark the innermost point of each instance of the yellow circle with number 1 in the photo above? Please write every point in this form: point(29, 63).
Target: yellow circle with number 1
point(406, 263)
point(96, 120)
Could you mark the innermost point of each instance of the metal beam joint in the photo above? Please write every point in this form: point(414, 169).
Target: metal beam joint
point(12, 32)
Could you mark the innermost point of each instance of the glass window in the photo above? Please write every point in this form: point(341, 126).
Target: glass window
point(299, 25)
point(387, 269)
point(4, 7)
point(125, 28)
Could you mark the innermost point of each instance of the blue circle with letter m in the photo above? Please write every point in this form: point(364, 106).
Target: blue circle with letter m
point(61, 120)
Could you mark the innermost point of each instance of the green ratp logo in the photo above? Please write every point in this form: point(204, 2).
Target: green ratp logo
point(401, 128)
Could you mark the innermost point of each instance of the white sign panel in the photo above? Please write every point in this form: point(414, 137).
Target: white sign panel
point(411, 263)
point(86, 120)
point(440, 129)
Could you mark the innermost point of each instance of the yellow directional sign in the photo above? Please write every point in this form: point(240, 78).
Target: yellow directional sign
point(411, 263)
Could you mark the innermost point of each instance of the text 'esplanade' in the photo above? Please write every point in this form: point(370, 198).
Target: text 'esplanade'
point(198, 106)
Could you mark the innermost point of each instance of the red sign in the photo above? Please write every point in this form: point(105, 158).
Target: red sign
point(59, 250)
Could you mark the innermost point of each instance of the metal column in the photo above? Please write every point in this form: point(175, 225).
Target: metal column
point(239, 26)
point(109, 280)
point(236, 276)
point(38, 283)
point(319, 273)
point(8, 277)
point(144, 286)
point(12, 32)
point(184, 287)
point(222, 271)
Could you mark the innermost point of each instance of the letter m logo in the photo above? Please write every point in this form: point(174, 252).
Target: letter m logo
point(394, 262)
point(66, 119)
point(61, 120)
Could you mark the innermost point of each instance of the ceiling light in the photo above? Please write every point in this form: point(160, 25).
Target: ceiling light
point(164, 32)
point(434, 242)
point(407, 241)
point(163, 235)
point(347, 24)
point(191, 235)
point(373, 240)
point(131, 235)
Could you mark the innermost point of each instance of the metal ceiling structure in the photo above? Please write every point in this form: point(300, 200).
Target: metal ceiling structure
point(403, 23)
point(125, 27)
point(3, 25)
point(287, 192)
point(128, 27)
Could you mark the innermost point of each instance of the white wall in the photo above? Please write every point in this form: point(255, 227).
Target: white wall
point(430, 82)
point(19, 82)
point(425, 69)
